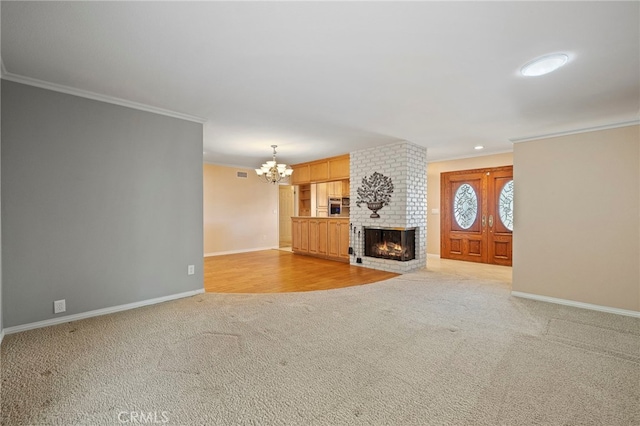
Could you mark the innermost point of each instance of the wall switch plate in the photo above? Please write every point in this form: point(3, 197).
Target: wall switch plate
point(191, 269)
point(59, 306)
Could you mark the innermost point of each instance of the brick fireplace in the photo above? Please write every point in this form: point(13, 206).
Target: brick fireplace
point(406, 165)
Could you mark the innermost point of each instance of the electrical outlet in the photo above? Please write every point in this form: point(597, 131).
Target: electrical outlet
point(191, 269)
point(358, 260)
point(59, 306)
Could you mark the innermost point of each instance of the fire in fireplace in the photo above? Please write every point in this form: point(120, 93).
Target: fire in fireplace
point(390, 243)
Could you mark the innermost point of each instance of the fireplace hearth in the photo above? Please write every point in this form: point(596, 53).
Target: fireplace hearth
point(390, 243)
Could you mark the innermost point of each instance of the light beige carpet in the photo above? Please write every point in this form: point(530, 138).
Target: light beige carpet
point(420, 349)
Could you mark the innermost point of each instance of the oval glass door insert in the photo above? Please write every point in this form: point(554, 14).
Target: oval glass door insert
point(505, 205)
point(465, 206)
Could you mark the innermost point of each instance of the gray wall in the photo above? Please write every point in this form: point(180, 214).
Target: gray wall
point(1, 323)
point(101, 204)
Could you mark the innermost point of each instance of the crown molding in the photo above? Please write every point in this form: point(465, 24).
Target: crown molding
point(464, 157)
point(576, 131)
point(231, 166)
point(97, 96)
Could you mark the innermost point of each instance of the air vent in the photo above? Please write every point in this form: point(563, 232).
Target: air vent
point(242, 175)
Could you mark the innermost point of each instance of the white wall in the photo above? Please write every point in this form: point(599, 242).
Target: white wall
point(240, 214)
point(577, 218)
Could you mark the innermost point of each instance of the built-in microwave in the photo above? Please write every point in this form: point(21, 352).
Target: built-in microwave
point(335, 206)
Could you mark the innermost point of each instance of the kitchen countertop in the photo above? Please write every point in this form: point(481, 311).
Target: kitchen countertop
point(320, 217)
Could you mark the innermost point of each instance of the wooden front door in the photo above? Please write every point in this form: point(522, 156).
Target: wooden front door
point(500, 219)
point(477, 215)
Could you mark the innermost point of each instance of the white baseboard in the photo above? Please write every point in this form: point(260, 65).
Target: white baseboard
point(98, 312)
point(433, 255)
point(575, 304)
point(222, 253)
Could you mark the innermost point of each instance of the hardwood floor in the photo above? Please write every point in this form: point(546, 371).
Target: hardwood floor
point(277, 271)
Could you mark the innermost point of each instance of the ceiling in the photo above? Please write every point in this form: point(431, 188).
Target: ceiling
point(326, 78)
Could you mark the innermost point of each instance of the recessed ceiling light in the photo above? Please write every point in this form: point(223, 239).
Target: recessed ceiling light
point(544, 64)
point(478, 147)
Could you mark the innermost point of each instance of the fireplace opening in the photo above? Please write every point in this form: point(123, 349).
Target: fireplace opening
point(390, 243)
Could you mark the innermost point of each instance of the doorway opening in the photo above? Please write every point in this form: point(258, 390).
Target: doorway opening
point(477, 215)
point(285, 211)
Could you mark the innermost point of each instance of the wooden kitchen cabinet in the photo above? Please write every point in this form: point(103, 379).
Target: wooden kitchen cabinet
point(313, 236)
point(300, 235)
point(338, 239)
point(346, 189)
point(334, 189)
point(318, 237)
point(301, 174)
point(304, 236)
point(344, 233)
point(339, 167)
point(295, 234)
point(321, 237)
point(322, 196)
point(319, 171)
point(326, 169)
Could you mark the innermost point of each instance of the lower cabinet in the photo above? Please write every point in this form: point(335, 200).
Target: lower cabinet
point(318, 237)
point(338, 239)
point(300, 235)
point(334, 238)
point(321, 237)
point(345, 231)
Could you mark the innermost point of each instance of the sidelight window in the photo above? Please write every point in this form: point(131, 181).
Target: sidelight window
point(505, 205)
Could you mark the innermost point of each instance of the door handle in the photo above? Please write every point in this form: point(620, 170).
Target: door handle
point(490, 221)
point(484, 221)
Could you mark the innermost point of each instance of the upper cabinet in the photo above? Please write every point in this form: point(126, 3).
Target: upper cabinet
point(339, 167)
point(345, 188)
point(334, 189)
point(327, 169)
point(319, 171)
point(301, 174)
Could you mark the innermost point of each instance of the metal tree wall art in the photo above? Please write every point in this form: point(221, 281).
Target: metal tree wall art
point(375, 192)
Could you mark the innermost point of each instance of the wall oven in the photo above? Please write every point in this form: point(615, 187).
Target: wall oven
point(335, 206)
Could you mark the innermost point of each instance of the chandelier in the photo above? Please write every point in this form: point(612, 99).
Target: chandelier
point(272, 172)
